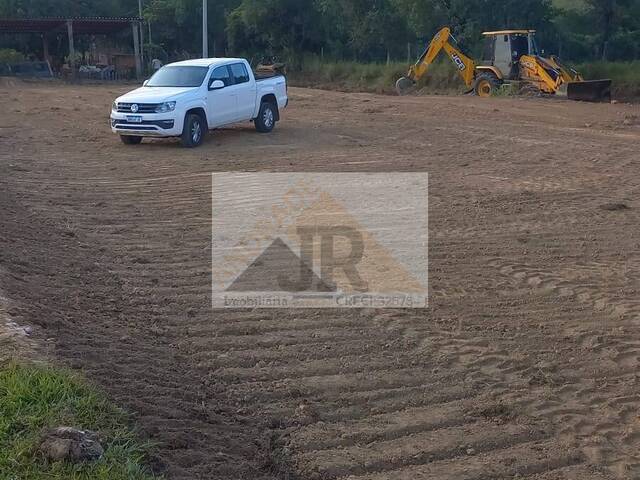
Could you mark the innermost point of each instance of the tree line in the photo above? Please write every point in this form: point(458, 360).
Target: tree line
point(363, 30)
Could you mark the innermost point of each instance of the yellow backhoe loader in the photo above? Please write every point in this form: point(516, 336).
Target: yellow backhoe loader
point(510, 57)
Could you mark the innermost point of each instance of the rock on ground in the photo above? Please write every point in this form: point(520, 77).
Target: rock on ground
point(66, 443)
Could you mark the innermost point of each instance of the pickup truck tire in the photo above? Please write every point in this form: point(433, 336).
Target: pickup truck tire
point(193, 130)
point(266, 119)
point(130, 139)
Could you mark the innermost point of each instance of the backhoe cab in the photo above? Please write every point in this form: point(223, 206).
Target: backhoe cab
point(509, 57)
point(503, 51)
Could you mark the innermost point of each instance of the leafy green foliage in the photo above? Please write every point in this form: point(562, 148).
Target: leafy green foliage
point(363, 30)
point(9, 55)
point(372, 77)
point(625, 76)
point(57, 8)
point(274, 26)
point(34, 398)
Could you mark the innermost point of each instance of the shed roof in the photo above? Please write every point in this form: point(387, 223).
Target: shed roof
point(81, 25)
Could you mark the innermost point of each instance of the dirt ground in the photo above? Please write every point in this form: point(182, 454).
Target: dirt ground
point(524, 366)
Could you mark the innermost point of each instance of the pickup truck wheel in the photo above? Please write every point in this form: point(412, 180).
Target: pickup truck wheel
point(193, 130)
point(130, 139)
point(266, 119)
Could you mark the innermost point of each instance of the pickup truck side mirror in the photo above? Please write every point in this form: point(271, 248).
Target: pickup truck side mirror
point(144, 84)
point(216, 85)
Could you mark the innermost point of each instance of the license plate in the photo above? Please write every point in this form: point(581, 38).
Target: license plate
point(134, 118)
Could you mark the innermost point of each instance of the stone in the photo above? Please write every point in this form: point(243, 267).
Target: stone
point(71, 444)
point(55, 449)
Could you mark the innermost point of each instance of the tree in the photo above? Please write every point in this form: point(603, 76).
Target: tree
point(366, 30)
point(606, 15)
point(287, 27)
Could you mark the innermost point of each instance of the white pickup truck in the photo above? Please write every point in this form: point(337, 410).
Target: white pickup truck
point(185, 99)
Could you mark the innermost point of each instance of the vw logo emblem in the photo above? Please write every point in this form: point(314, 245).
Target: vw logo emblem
point(134, 107)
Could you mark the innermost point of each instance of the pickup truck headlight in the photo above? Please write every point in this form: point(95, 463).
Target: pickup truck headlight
point(114, 107)
point(166, 107)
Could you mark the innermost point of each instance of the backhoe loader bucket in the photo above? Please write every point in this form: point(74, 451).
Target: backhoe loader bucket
point(590, 91)
point(404, 85)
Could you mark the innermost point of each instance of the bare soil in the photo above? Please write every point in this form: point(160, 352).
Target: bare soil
point(525, 365)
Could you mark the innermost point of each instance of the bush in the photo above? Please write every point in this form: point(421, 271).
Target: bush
point(9, 55)
point(625, 77)
point(152, 50)
point(371, 77)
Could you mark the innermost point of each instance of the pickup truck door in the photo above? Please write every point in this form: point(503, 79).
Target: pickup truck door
point(245, 90)
point(221, 103)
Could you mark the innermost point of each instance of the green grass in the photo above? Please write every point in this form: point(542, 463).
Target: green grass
point(370, 77)
point(34, 398)
point(625, 76)
point(442, 78)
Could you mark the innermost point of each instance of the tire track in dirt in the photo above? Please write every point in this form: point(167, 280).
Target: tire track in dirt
point(495, 379)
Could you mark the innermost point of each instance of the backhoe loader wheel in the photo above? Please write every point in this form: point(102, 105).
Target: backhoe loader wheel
point(486, 84)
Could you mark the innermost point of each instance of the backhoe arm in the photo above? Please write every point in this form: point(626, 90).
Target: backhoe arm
point(441, 41)
point(568, 73)
point(537, 71)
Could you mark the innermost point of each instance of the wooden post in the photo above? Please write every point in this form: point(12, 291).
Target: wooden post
point(45, 47)
point(72, 50)
point(136, 49)
point(141, 31)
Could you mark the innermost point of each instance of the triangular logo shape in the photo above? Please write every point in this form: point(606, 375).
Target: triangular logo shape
point(279, 269)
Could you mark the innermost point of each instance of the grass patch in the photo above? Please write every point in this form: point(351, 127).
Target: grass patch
point(625, 77)
point(442, 77)
point(34, 398)
point(371, 77)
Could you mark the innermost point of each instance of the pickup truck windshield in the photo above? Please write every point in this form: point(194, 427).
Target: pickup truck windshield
point(178, 77)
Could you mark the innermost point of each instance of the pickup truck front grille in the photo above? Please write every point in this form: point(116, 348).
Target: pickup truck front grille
point(144, 125)
point(142, 107)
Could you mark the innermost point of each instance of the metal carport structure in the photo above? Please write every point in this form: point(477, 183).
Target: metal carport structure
point(80, 26)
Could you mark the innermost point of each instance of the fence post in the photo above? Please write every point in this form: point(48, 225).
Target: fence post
point(45, 47)
point(72, 50)
point(136, 48)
